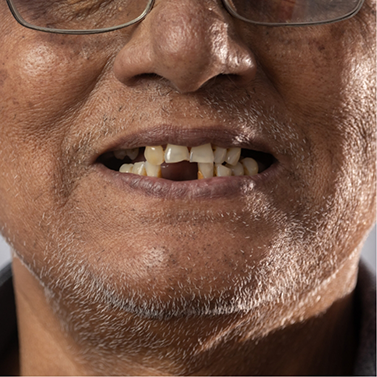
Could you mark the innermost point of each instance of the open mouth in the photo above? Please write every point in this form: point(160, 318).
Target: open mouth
point(182, 163)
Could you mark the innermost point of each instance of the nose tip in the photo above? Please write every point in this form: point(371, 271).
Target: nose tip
point(187, 45)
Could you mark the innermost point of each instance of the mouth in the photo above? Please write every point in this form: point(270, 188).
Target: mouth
point(180, 163)
point(185, 163)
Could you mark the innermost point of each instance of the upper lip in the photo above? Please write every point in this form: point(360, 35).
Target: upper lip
point(168, 134)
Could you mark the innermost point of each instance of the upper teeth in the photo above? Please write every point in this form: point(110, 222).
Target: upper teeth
point(176, 153)
point(154, 155)
point(122, 153)
point(210, 160)
point(203, 154)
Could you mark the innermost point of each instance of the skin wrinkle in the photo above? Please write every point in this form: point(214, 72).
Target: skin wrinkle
point(102, 262)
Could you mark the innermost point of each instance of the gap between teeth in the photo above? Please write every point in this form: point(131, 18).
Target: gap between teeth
point(213, 161)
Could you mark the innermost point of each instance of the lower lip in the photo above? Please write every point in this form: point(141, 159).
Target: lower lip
point(210, 188)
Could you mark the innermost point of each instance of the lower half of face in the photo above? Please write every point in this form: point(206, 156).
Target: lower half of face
point(276, 238)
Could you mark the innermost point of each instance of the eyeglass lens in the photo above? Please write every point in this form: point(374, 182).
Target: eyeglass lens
point(293, 11)
point(101, 14)
point(79, 14)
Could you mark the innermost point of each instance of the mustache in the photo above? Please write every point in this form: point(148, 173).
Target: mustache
point(243, 114)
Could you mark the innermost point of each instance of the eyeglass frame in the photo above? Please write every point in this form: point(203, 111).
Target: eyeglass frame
point(149, 7)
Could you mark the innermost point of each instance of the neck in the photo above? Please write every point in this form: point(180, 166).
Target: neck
point(320, 342)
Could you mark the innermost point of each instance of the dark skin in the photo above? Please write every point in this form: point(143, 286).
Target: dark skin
point(319, 345)
point(112, 278)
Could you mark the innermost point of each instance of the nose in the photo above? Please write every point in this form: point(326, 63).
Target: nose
point(188, 43)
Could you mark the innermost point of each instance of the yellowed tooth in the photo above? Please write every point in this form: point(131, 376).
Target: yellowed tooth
point(222, 171)
point(205, 170)
point(120, 154)
point(132, 153)
point(202, 153)
point(139, 168)
point(176, 153)
point(219, 155)
point(237, 169)
point(126, 168)
point(152, 170)
point(250, 166)
point(233, 155)
point(154, 155)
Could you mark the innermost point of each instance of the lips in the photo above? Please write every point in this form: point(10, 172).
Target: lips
point(171, 162)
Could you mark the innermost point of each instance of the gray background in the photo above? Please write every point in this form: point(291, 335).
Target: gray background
point(368, 253)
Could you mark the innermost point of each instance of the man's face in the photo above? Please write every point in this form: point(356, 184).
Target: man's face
point(166, 248)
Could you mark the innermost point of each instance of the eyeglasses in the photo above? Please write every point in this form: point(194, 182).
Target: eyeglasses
point(100, 16)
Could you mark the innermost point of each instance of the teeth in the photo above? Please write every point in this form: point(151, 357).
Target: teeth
point(120, 154)
point(205, 170)
point(176, 153)
point(222, 171)
point(132, 153)
point(202, 154)
point(154, 155)
point(152, 170)
point(139, 168)
point(250, 166)
point(210, 160)
point(237, 169)
point(219, 154)
point(126, 168)
point(233, 155)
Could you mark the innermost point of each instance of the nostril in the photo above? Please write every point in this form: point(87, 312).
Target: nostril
point(143, 77)
point(222, 78)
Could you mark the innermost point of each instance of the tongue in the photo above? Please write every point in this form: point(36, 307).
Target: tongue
point(180, 171)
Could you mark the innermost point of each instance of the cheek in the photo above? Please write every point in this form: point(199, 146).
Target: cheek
point(320, 76)
point(41, 85)
point(45, 81)
point(304, 67)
